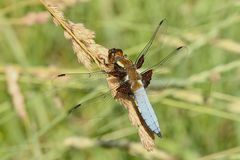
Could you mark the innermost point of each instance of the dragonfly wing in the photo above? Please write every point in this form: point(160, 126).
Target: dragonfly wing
point(140, 58)
point(103, 96)
point(91, 100)
point(78, 80)
point(91, 75)
point(125, 88)
point(146, 111)
point(146, 77)
point(140, 62)
point(180, 50)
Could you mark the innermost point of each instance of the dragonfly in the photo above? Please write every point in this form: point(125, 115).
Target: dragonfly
point(134, 82)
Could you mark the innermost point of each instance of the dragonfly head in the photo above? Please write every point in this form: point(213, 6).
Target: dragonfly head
point(115, 55)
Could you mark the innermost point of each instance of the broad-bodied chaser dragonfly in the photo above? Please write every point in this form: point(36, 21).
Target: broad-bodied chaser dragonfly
point(134, 82)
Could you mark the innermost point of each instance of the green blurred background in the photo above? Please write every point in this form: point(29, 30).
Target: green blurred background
point(195, 94)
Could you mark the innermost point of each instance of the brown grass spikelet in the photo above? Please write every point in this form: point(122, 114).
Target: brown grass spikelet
point(77, 33)
point(87, 51)
point(86, 37)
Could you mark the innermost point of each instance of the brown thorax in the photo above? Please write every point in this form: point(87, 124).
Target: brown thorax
point(116, 56)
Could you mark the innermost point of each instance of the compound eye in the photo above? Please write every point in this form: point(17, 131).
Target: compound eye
point(111, 54)
point(119, 53)
point(113, 50)
point(119, 50)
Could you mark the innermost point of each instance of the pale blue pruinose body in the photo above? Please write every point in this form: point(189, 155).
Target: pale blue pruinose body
point(146, 110)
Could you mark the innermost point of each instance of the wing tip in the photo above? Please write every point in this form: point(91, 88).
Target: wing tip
point(161, 22)
point(73, 108)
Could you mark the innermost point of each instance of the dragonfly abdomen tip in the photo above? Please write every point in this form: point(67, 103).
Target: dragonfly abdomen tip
point(159, 135)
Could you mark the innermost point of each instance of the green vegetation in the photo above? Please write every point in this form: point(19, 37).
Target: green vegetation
point(198, 109)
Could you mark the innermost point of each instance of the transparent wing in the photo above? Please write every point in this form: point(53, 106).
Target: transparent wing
point(180, 50)
point(153, 70)
point(102, 96)
point(91, 100)
point(91, 75)
point(140, 58)
point(76, 80)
